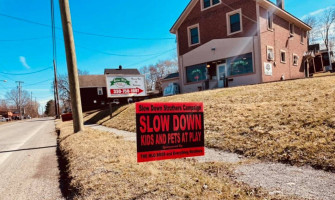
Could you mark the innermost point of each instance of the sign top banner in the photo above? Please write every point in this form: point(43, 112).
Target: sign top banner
point(177, 107)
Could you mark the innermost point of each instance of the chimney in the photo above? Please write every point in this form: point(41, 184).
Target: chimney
point(281, 4)
point(120, 67)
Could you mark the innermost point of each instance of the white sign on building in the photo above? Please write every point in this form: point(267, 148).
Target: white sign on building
point(125, 86)
point(268, 69)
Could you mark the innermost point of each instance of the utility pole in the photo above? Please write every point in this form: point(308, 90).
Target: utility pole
point(78, 122)
point(19, 87)
point(54, 51)
point(56, 93)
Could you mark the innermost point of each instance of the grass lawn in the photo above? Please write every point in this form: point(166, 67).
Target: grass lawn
point(291, 122)
point(103, 166)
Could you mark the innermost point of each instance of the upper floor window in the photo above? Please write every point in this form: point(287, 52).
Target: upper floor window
point(291, 29)
point(209, 3)
point(193, 35)
point(270, 21)
point(302, 37)
point(100, 91)
point(234, 22)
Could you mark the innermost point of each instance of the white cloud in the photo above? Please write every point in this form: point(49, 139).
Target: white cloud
point(317, 12)
point(24, 62)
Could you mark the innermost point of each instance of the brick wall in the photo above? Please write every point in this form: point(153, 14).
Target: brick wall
point(279, 39)
point(213, 23)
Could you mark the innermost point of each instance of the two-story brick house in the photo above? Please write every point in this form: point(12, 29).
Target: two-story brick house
point(243, 41)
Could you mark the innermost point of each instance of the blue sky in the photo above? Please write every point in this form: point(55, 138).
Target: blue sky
point(150, 19)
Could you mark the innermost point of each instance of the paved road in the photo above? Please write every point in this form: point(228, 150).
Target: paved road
point(28, 161)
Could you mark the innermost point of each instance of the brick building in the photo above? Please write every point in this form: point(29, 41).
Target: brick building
point(238, 42)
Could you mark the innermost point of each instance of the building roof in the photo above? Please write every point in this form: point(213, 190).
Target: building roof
point(92, 81)
point(122, 71)
point(266, 3)
point(172, 75)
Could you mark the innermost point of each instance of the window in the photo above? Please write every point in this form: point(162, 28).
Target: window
point(193, 35)
point(100, 91)
point(196, 73)
point(234, 22)
point(283, 56)
point(239, 65)
point(291, 29)
point(295, 59)
point(270, 55)
point(302, 37)
point(209, 3)
point(270, 21)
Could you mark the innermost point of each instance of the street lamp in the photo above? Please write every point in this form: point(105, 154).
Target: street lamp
point(4, 81)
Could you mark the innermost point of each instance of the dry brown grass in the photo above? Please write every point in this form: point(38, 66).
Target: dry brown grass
point(103, 166)
point(323, 74)
point(291, 122)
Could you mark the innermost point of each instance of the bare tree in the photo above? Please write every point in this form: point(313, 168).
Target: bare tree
point(13, 96)
point(155, 73)
point(311, 35)
point(3, 105)
point(64, 88)
point(327, 21)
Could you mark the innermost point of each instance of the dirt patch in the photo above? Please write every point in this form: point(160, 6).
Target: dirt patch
point(291, 122)
point(102, 165)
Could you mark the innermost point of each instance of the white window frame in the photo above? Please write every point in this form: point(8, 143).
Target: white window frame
point(189, 34)
point(297, 60)
point(267, 53)
point(289, 28)
point(281, 60)
point(267, 20)
point(211, 6)
point(228, 21)
point(102, 91)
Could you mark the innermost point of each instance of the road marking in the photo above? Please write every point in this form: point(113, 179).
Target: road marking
point(4, 156)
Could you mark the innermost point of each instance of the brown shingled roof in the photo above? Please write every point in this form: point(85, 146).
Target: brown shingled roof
point(89, 81)
point(122, 71)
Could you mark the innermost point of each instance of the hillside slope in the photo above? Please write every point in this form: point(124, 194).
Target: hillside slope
point(291, 122)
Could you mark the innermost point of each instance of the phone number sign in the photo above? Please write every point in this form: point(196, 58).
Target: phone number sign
point(169, 131)
point(125, 86)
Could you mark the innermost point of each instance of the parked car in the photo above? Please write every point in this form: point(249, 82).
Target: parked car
point(2, 119)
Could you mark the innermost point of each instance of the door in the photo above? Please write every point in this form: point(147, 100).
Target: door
point(221, 74)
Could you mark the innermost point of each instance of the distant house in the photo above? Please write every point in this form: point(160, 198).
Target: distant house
point(319, 59)
point(93, 89)
point(6, 114)
point(168, 81)
point(93, 92)
point(238, 42)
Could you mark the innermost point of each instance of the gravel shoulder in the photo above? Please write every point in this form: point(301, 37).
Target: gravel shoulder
point(276, 178)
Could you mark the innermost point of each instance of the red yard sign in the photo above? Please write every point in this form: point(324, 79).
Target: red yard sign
point(169, 131)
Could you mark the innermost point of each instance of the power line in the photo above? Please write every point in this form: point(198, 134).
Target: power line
point(25, 39)
point(22, 74)
point(84, 33)
point(39, 82)
point(150, 58)
point(121, 55)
